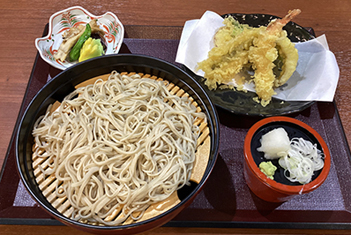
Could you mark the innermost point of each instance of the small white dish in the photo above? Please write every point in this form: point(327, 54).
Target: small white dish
point(71, 17)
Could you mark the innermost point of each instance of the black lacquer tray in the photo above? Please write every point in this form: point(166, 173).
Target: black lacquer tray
point(225, 201)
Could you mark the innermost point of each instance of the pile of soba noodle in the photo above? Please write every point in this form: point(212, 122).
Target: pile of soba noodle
point(121, 144)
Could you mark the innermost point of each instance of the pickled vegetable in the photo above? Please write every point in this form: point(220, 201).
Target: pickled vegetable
point(91, 48)
point(75, 52)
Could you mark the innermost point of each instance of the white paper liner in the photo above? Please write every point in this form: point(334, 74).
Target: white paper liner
point(316, 76)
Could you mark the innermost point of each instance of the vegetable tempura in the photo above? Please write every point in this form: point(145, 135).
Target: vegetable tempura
point(241, 47)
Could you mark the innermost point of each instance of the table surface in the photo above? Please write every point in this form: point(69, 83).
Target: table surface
point(25, 20)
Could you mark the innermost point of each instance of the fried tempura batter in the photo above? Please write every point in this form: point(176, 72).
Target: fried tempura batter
point(239, 47)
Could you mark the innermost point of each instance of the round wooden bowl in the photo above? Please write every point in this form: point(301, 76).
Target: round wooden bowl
point(42, 189)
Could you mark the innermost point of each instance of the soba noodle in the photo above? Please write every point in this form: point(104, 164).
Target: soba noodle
point(120, 144)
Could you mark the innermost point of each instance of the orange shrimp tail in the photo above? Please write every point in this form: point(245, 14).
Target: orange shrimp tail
point(292, 14)
point(278, 24)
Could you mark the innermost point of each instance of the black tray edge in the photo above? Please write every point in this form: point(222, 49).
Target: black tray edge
point(173, 223)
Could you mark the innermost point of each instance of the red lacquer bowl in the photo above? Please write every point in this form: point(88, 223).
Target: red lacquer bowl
point(280, 189)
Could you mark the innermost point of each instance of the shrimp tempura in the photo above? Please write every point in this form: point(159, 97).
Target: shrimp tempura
point(240, 47)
